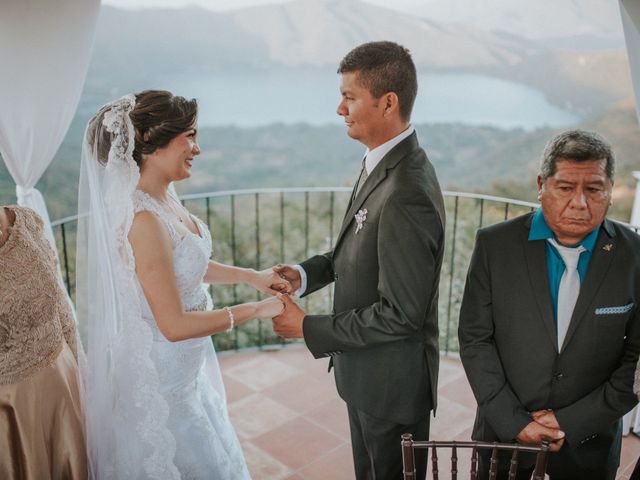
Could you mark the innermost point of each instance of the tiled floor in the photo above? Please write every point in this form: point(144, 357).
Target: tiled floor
point(293, 426)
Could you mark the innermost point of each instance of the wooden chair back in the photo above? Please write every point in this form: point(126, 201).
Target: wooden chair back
point(408, 462)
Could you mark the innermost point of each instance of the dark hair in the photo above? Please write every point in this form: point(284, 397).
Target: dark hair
point(577, 146)
point(158, 117)
point(384, 67)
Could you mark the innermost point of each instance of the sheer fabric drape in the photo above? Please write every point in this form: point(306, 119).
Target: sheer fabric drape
point(45, 47)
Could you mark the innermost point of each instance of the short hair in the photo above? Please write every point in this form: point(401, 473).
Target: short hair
point(158, 117)
point(576, 146)
point(384, 67)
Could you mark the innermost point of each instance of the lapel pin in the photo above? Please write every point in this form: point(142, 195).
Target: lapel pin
point(608, 247)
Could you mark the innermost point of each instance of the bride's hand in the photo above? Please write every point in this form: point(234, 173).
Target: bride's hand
point(268, 281)
point(269, 307)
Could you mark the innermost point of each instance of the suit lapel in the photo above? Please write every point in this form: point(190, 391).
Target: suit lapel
point(603, 254)
point(536, 255)
point(376, 177)
point(389, 161)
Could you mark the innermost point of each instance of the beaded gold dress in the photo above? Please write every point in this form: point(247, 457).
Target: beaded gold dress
point(41, 412)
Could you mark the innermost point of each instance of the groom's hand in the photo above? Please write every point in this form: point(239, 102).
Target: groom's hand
point(290, 274)
point(289, 323)
point(268, 281)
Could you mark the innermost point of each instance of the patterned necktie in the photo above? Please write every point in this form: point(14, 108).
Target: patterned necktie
point(362, 178)
point(569, 287)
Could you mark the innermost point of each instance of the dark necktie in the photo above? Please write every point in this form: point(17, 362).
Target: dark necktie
point(362, 178)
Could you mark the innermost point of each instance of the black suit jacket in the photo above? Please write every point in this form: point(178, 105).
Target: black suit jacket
point(508, 339)
point(383, 333)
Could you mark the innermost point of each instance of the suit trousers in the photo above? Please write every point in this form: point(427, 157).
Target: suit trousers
point(375, 443)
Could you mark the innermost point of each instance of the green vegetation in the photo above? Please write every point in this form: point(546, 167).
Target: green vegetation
point(467, 158)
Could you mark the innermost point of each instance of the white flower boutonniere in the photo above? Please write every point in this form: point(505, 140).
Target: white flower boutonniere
point(360, 217)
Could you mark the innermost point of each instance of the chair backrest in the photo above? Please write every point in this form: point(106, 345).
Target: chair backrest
point(408, 444)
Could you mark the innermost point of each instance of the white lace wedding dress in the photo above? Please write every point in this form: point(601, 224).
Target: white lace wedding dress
point(190, 382)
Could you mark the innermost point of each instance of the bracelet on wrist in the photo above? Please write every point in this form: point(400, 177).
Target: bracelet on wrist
point(232, 322)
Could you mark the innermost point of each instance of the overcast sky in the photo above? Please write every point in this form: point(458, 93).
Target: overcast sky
point(223, 4)
point(210, 4)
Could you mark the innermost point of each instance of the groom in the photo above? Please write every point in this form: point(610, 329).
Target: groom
point(382, 335)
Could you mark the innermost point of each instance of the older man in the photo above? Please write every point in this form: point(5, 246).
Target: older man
point(549, 324)
point(383, 333)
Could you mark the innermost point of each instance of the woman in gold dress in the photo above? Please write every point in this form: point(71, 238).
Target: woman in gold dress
point(41, 413)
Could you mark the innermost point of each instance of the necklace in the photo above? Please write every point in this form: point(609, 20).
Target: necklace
point(172, 209)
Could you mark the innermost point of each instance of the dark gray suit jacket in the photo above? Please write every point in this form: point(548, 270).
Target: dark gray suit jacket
point(508, 339)
point(383, 333)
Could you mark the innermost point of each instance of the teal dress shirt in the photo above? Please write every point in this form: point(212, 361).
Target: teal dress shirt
point(555, 266)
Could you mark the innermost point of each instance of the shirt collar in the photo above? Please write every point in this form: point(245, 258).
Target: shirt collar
point(374, 156)
point(541, 231)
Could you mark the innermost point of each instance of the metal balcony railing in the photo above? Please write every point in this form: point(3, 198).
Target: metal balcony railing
point(262, 227)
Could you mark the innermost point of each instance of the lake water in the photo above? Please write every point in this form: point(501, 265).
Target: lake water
point(248, 100)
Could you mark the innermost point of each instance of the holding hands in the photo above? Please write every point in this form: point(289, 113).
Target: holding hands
point(280, 281)
point(289, 323)
point(269, 281)
point(287, 316)
point(290, 274)
point(270, 307)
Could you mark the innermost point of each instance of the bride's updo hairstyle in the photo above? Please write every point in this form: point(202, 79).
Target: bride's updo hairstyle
point(158, 117)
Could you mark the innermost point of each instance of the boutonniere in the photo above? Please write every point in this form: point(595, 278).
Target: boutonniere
point(360, 217)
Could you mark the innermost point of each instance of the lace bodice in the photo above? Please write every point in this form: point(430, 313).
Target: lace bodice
point(35, 315)
point(191, 255)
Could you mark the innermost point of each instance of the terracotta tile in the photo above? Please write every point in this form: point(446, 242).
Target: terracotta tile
point(333, 417)
point(294, 352)
point(229, 359)
point(302, 393)
point(464, 435)
point(263, 466)
point(261, 371)
point(444, 463)
point(318, 368)
point(256, 414)
point(298, 442)
point(458, 390)
point(235, 390)
point(335, 465)
point(267, 390)
point(451, 419)
point(450, 370)
point(300, 356)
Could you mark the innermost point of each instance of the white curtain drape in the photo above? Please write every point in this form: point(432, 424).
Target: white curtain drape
point(630, 14)
point(45, 47)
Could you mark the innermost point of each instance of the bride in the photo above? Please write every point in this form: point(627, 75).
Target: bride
point(155, 399)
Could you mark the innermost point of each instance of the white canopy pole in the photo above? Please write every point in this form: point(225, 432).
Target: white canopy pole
point(45, 47)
